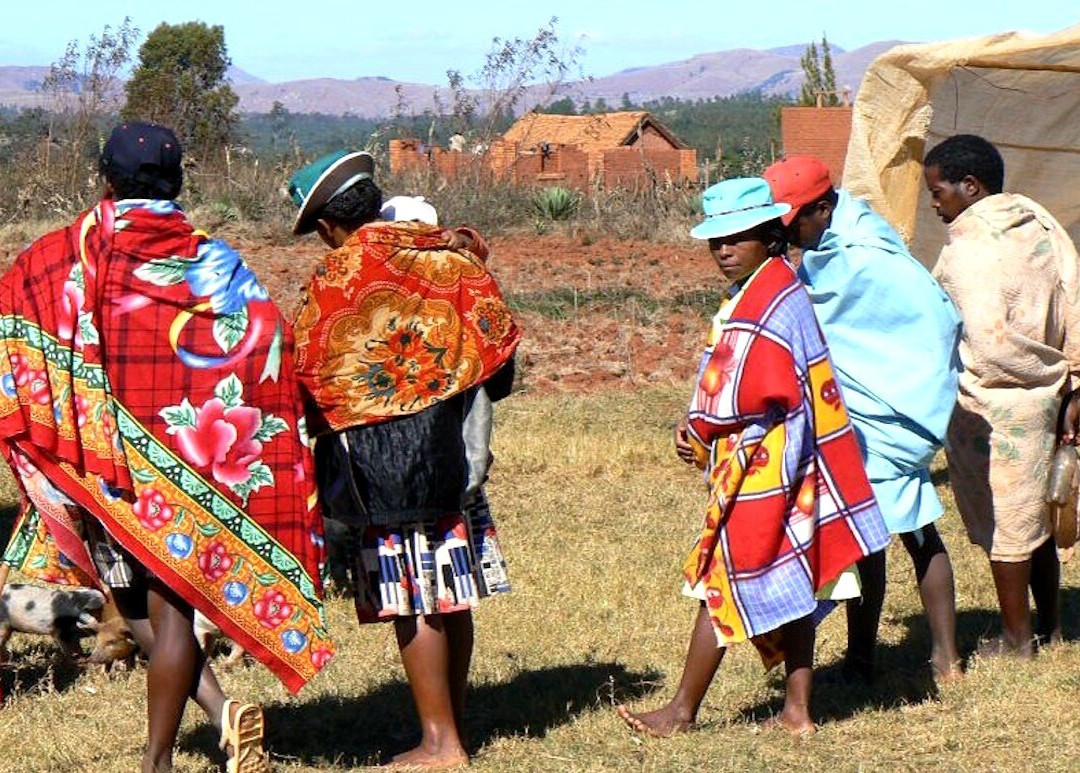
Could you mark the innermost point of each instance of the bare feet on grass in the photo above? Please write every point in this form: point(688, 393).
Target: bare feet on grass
point(1002, 647)
point(794, 721)
point(946, 672)
point(661, 723)
point(425, 758)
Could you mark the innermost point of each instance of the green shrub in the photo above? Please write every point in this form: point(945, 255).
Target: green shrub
point(556, 203)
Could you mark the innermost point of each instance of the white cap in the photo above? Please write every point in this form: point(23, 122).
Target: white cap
point(409, 208)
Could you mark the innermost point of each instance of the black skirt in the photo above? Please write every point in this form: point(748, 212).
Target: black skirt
point(406, 470)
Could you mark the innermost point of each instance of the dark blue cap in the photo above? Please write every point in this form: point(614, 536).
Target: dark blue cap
point(146, 154)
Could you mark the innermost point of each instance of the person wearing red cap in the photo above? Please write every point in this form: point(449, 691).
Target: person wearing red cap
point(893, 333)
point(1012, 270)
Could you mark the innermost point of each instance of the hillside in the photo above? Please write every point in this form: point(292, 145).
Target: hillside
point(722, 73)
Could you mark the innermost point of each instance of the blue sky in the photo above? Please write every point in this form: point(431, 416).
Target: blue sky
point(418, 41)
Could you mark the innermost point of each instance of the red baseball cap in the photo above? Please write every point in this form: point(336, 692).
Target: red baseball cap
point(797, 180)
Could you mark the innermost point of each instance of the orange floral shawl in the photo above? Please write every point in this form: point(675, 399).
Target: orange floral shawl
point(392, 322)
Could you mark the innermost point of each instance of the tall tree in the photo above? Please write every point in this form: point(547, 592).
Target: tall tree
point(180, 82)
point(820, 79)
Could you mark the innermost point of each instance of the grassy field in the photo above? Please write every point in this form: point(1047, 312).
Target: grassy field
point(596, 515)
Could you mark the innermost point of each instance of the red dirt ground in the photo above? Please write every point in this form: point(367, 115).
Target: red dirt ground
point(607, 345)
point(616, 343)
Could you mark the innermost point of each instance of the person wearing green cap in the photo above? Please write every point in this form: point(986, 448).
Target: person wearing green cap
point(396, 332)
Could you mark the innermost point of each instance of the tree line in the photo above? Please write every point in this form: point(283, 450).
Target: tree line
point(179, 78)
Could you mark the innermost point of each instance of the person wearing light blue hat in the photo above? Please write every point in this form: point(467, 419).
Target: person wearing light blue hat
point(790, 509)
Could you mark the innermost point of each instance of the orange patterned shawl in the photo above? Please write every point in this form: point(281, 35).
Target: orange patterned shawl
point(393, 322)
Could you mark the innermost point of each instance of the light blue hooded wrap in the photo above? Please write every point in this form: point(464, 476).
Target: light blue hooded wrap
point(893, 334)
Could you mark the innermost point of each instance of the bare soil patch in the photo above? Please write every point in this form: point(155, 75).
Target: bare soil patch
point(596, 313)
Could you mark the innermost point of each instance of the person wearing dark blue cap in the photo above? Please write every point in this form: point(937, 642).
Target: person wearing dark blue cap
point(166, 431)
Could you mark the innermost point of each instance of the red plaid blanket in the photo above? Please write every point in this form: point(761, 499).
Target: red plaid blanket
point(147, 374)
point(790, 507)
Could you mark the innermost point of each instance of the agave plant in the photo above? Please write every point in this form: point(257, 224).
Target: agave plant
point(556, 203)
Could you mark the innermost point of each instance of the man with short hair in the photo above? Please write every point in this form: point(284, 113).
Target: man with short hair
point(1013, 272)
point(893, 334)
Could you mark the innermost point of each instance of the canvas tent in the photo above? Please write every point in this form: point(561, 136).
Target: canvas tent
point(1018, 90)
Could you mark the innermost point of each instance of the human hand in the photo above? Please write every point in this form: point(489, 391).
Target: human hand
point(456, 240)
point(683, 447)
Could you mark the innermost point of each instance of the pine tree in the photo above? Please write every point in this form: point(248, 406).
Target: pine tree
point(812, 82)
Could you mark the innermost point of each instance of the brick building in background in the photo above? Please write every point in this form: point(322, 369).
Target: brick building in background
point(622, 149)
point(822, 132)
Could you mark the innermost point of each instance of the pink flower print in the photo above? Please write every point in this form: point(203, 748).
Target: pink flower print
point(40, 391)
point(320, 656)
point(81, 410)
point(67, 320)
point(224, 440)
point(272, 609)
point(152, 510)
point(215, 561)
point(20, 369)
point(26, 468)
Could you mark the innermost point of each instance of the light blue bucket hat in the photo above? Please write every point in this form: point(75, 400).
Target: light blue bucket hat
point(736, 205)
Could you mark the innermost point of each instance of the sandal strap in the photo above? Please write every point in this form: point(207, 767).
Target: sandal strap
point(226, 725)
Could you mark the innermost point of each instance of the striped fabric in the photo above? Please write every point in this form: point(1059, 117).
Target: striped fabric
point(790, 508)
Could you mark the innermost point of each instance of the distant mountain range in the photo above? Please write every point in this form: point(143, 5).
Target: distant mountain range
point(775, 71)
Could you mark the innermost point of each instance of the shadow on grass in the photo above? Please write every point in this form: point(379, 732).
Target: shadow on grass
point(902, 675)
point(39, 668)
point(370, 728)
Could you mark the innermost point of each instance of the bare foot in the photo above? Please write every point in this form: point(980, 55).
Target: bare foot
point(796, 724)
point(999, 647)
point(661, 723)
point(425, 759)
point(947, 672)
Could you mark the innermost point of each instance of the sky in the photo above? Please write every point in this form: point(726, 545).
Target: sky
point(419, 40)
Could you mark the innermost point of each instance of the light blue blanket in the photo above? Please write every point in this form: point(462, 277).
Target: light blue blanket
point(893, 334)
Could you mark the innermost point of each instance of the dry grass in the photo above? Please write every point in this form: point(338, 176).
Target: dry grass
point(596, 514)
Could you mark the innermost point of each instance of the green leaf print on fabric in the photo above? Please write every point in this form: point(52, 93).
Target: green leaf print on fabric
point(164, 272)
point(229, 329)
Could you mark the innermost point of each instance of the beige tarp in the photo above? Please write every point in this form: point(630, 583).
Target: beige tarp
point(1018, 90)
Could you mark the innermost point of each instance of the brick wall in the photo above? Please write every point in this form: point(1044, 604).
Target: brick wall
point(633, 166)
point(651, 139)
point(822, 132)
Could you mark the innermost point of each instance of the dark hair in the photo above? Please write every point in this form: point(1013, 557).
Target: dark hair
point(968, 154)
point(354, 206)
point(830, 196)
point(146, 185)
point(774, 235)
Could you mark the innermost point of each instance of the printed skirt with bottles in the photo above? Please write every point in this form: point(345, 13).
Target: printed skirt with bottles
point(416, 547)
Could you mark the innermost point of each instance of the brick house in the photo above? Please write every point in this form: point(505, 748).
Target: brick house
point(621, 149)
